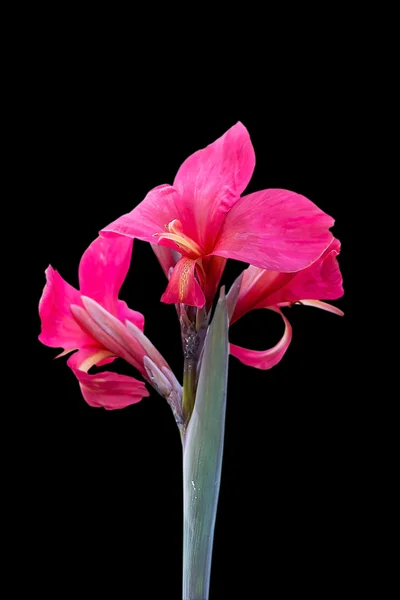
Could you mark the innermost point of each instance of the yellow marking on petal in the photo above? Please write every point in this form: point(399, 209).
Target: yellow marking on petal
point(93, 359)
point(94, 386)
point(184, 279)
point(323, 306)
point(65, 352)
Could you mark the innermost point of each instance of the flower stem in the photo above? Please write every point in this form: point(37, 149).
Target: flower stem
point(194, 324)
point(189, 388)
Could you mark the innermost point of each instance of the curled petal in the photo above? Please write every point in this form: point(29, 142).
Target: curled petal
point(260, 288)
point(182, 286)
point(268, 358)
point(59, 328)
point(323, 306)
point(321, 280)
point(103, 269)
point(276, 230)
point(107, 390)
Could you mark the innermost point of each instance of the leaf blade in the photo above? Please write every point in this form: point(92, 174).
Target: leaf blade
point(202, 458)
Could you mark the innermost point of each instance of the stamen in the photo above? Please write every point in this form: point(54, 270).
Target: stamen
point(185, 244)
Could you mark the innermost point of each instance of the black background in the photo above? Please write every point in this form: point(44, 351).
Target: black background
point(102, 504)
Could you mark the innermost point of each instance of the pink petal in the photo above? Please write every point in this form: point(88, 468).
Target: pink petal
point(108, 390)
point(182, 286)
point(268, 358)
point(59, 328)
point(211, 180)
point(127, 314)
point(276, 230)
point(260, 288)
point(103, 269)
point(321, 280)
point(160, 207)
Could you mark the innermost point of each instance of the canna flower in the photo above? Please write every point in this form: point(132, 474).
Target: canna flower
point(204, 219)
point(101, 328)
point(256, 288)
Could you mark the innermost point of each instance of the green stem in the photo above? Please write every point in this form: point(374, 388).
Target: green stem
point(189, 388)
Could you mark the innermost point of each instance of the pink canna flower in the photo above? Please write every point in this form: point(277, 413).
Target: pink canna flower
point(203, 218)
point(101, 327)
point(257, 288)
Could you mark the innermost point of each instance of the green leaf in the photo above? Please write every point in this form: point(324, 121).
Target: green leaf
point(202, 458)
